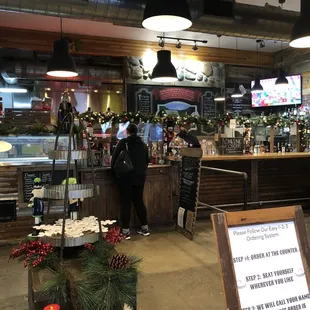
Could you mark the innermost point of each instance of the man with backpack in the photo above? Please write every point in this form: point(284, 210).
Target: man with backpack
point(129, 164)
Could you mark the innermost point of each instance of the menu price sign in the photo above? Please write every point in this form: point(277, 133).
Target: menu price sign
point(264, 256)
point(208, 105)
point(232, 146)
point(45, 176)
point(144, 101)
point(188, 191)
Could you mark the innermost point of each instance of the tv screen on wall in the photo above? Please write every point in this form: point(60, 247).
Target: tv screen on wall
point(278, 96)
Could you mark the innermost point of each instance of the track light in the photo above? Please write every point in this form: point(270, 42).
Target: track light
point(178, 45)
point(261, 43)
point(195, 47)
point(161, 42)
point(167, 15)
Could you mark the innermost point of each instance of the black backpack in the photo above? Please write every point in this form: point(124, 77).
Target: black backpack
point(123, 165)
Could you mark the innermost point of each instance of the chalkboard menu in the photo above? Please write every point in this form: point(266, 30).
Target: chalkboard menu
point(144, 101)
point(45, 176)
point(208, 105)
point(188, 192)
point(237, 106)
point(232, 146)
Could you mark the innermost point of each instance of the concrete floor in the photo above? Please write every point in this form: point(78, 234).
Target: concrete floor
point(176, 273)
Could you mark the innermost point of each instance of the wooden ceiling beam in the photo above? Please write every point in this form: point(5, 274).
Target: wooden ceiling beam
point(97, 46)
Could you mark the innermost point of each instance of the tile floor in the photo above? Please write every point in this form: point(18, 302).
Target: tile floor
point(176, 274)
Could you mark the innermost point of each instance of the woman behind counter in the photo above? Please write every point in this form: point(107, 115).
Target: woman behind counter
point(131, 188)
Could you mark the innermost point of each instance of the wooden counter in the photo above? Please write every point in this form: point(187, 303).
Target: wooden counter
point(273, 180)
point(157, 195)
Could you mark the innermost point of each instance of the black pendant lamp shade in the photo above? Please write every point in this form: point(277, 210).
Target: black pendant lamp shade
point(281, 80)
point(164, 71)
point(220, 96)
point(257, 87)
point(61, 64)
point(300, 37)
point(167, 15)
point(236, 92)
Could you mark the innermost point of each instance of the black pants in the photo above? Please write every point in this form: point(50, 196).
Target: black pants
point(132, 193)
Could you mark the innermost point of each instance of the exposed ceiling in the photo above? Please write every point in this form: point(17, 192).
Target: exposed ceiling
point(257, 22)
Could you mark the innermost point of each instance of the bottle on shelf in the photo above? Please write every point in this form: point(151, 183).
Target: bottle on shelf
point(267, 150)
point(279, 148)
point(262, 148)
point(283, 148)
point(275, 148)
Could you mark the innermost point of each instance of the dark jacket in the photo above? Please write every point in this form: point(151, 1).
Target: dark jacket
point(190, 139)
point(139, 156)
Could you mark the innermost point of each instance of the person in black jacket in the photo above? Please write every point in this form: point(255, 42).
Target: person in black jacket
point(190, 139)
point(131, 188)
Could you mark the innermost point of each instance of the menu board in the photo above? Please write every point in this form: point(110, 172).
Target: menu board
point(188, 193)
point(45, 176)
point(268, 267)
point(237, 106)
point(144, 101)
point(232, 146)
point(208, 105)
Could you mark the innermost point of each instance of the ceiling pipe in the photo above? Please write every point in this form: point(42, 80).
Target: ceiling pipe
point(269, 23)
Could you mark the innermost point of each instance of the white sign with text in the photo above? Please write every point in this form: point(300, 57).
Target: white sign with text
point(268, 267)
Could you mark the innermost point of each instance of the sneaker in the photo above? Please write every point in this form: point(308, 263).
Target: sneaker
point(143, 232)
point(126, 235)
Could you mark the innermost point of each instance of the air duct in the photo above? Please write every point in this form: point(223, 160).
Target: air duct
point(270, 23)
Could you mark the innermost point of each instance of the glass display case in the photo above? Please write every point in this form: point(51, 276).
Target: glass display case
point(27, 149)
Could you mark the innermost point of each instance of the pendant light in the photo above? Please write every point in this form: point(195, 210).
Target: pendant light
point(236, 92)
point(61, 64)
point(281, 81)
point(164, 71)
point(220, 96)
point(300, 37)
point(5, 146)
point(257, 87)
point(167, 15)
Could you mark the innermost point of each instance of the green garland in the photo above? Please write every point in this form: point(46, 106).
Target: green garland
point(220, 121)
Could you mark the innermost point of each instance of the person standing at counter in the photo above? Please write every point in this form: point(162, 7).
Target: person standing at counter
point(131, 185)
point(190, 139)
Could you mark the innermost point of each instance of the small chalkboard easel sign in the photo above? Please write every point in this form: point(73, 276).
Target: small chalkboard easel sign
point(265, 259)
point(188, 192)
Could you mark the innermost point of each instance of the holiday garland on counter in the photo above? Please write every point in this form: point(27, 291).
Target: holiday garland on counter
point(276, 120)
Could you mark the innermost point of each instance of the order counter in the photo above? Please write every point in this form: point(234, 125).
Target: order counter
point(157, 195)
point(273, 180)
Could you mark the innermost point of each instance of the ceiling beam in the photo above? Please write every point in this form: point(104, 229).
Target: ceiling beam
point(98, 46)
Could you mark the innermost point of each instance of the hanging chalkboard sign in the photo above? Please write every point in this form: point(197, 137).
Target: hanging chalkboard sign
point(232, 146)
point(208, 105)
point(237, 105)
point(45, 176)
point(144, 101)
point(264, 258)
point(188, 191)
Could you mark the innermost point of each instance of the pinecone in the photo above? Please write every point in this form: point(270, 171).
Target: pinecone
point(119, 262)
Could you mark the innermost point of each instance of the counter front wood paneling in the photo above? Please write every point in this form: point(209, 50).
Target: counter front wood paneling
point(157, 195)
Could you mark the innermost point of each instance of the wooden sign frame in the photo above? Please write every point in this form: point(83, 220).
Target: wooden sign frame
point(221, 223)
point(189, 229)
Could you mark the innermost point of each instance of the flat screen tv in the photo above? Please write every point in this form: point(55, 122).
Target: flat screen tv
point(278, 96)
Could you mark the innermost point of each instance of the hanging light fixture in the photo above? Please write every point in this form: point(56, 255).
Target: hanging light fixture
point(281, 81)
point(236, 92)
point(167, 15)
point(178, 45)
point(195, 47)
point(220, 96)
point(5, 146)
point(61, 64)
point(300, 37)
point(164, 71)
point(257, 87)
